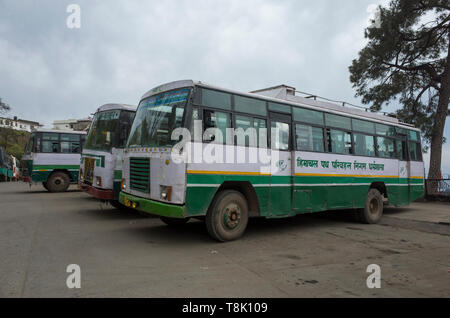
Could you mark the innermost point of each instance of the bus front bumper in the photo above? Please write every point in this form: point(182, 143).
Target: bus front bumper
point(96, 192)
point(151, 206)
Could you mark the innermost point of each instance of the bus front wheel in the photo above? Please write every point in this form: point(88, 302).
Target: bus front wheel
point(373, 209)
point(58, 182)
point(227, 216)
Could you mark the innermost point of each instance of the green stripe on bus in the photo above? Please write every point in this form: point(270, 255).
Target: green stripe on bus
point(218, 179)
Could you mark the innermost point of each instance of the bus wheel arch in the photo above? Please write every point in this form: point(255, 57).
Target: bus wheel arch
point(58, 181)
point(381, 187)
point(247, 190)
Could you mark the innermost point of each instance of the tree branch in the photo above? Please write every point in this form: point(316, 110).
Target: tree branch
point(425, 67)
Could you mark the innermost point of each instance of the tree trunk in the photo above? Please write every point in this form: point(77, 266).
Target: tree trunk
point(439, 122)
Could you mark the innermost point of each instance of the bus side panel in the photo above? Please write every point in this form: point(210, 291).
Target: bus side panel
point(410, 184)
point(45, 163)
point(204, 177)
point(40, 176)
point(198, 199)
point(416, 181)
point(201, 188)
point(398, 195)
point(338, 181)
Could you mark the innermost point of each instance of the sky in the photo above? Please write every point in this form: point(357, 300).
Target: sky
point(124, 48)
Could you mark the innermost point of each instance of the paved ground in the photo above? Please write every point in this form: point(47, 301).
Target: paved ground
point(124, 254)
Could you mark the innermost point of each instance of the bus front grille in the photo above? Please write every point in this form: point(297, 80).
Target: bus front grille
point(140, 174)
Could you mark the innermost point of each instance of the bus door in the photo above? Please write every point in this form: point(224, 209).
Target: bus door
point(281, 165)
point(404, 169)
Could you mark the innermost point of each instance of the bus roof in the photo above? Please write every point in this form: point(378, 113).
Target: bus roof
point(59, 131)
point(112, 106)
point(282, 94)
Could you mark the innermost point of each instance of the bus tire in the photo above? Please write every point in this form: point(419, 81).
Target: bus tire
point(227, 217)
point(44, 184)
point(174, 221)
point(373, 209)
point(58, 182)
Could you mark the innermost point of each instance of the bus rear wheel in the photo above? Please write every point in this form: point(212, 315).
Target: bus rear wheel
point(227, 216)
point(373, 209)
point(58, 182)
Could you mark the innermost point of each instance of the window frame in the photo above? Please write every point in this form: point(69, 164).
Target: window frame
point(312, 126)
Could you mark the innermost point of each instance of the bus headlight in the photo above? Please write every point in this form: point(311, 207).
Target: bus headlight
point(123, 184)
point(166, 192)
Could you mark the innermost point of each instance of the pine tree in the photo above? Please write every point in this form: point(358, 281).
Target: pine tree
point(407, 59)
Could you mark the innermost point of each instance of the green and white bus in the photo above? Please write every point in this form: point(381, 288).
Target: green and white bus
point(101, 161)
point(317, 156)
point(53, 158)
point(6, 166)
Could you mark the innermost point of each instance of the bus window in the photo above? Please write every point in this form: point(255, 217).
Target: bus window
point(337, 121)
point(243, 122)
point(262, 134)
point(413, 135)
point(339, 141)
point(283, 136)
point(70, 143)
point(250, 105)
point(70, 147)
point(401, 149)
point(308, 116)
point(216, 99)
point(246, 122)
point(309, 138)
point(195, 116)
point(280, 108)
point(385, 147)
point(50, 142)
point(364, 145)
point(385, 130)
point(415, 152)
point(213, 119)
point(363, 126)
point(125, 122)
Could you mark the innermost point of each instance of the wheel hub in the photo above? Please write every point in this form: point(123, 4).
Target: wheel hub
point(232, 216)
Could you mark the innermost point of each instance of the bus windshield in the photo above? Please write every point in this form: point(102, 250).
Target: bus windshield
point(156, 118)
point(102, 133)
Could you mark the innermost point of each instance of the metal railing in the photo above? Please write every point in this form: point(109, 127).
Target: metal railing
point(437, 187)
